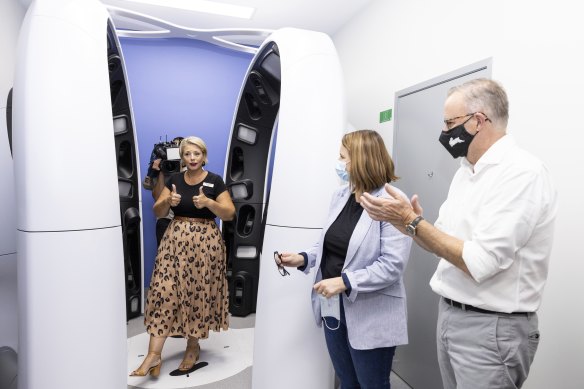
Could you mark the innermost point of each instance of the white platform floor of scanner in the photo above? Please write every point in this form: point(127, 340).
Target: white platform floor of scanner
point(227, 353)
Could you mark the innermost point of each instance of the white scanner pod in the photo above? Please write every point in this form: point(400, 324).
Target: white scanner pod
point(289, 348)
point(69, 239)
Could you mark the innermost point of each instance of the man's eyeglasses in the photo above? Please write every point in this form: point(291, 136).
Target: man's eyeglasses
point(278, 260)
point(448, 123)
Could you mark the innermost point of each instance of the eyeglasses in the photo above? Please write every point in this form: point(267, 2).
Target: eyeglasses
point(448, 123)
point(281, 269)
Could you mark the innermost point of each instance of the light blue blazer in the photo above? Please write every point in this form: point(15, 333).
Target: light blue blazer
point(377, 256)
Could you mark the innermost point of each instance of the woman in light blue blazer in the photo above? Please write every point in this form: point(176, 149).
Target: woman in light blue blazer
point(358, 289)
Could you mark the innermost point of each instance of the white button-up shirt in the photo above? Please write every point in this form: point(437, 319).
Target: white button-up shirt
point(503, 208)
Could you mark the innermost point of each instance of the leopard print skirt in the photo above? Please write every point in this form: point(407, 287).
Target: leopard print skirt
point(188, 293)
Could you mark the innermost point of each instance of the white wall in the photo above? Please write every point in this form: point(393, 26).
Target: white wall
point(11, 15)
point(538, 55)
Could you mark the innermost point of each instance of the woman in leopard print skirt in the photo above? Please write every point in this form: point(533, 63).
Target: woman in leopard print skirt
point(188, 294)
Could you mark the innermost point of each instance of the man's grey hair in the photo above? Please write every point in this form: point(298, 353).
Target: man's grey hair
point(486, 96)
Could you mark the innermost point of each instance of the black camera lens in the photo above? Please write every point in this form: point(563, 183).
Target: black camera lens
point(170, 166)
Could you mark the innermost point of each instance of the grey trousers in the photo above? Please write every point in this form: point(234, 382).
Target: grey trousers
point(484, 350)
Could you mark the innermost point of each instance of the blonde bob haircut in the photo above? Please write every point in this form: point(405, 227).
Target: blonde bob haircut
point(370, 164)
point(193, 141)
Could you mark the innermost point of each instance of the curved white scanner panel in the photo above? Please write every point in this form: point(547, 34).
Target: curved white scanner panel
point(289, 349)
point(69, 239)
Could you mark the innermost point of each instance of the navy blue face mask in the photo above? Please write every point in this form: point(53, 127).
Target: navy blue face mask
point(456, 140)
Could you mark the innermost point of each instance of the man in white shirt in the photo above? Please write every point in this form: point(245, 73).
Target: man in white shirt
point(493, 237)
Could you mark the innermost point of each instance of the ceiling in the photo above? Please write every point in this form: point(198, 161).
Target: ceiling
point(136, 20)
point(319, 15)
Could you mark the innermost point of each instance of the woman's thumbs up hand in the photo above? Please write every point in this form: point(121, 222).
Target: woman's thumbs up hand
point(174, 198)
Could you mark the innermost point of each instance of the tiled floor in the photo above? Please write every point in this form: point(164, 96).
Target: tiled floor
point(397, 383)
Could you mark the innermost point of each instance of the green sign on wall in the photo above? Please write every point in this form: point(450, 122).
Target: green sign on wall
point(385, 116)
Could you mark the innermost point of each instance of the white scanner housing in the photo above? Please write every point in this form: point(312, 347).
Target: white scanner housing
point(69, 238)
point(300, 71)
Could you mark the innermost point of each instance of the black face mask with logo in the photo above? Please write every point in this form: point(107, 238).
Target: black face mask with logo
point(456, 140)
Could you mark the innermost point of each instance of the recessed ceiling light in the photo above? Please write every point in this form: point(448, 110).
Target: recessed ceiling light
point(206, 6)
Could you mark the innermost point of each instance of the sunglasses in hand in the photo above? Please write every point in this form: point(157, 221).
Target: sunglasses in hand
point(281, 269)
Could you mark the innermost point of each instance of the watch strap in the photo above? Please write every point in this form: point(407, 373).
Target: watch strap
point(411, 227)
point(414, 223)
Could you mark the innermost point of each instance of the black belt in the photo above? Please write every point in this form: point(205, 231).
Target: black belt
point(466, 307)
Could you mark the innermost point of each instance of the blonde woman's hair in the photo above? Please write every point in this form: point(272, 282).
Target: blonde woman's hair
point(193, 141)
point(371, 165)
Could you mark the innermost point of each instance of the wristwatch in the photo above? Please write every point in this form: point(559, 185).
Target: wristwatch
point(411, 228)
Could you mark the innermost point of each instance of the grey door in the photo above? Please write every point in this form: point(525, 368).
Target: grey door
point(425, 168)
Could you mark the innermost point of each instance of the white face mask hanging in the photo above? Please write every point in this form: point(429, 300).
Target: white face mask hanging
point(330, 307)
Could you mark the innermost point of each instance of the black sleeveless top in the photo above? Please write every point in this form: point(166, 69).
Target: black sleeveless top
point(213, 186)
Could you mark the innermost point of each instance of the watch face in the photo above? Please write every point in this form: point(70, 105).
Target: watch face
point(411, 230)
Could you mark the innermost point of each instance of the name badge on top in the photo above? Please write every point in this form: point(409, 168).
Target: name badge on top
point(208, 184)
